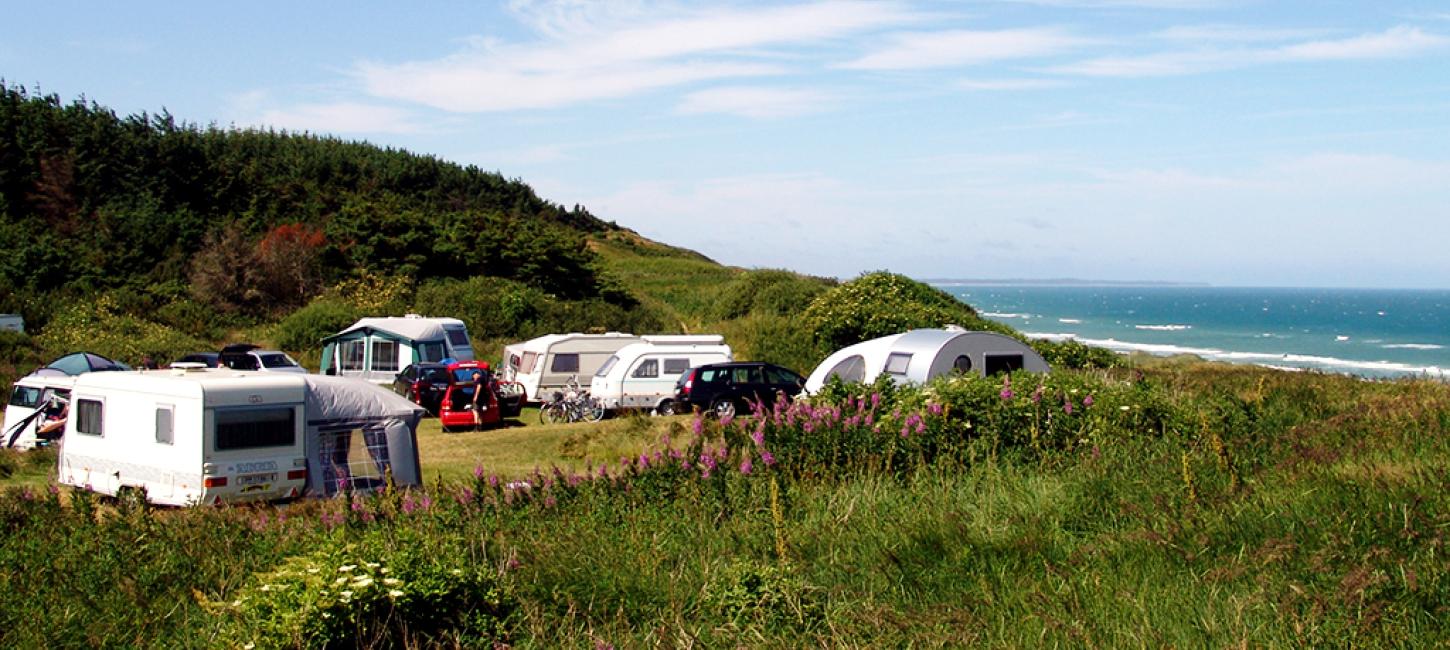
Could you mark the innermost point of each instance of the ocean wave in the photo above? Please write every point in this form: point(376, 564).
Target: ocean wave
point(1163, 328)
point(1412, 346)
point(1268, 359)
point(998, 314)
point(1070, 321)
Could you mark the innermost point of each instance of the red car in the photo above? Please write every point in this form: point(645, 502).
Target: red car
point(456, 410)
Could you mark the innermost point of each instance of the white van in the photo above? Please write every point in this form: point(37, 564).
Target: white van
point(547, 363)
point(31, 395)
point(642, 375)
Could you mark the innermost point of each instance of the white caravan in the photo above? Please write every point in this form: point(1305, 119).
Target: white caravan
point(35, 401)
point(547, 363)
point(376, 349)
point(642, 375)
point(193, 435)
point(917, 356)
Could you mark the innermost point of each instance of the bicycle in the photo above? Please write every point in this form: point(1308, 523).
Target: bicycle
point(572, 405)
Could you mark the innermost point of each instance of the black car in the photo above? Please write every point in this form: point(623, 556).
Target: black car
point(424, 384)
point(728, 388)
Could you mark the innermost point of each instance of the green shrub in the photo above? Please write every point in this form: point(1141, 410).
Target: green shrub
point(1076, 355)
point(768, 291)
point(96, 326)
point(880, 303)
point(193, 318)
point(377, 591)
point(777, 339)
point(304, 329)
point(762, 596)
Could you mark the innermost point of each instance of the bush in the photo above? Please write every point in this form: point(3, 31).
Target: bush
point(1072, 354)
point(501, 308)
point(769, 291)
point(19, 354)
point(95, 326)
point(880, 303)
point(303, 329)
point(778, 339)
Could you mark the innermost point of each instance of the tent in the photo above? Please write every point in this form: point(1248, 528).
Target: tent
point(920, 355)
point(78, 363)
point(339, 406)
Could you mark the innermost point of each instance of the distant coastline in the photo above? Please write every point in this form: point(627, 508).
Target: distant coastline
point(1053, 282)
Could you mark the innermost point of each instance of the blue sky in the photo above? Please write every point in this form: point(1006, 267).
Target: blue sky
point(1236, 142)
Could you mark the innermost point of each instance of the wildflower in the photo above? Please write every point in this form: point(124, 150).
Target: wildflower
point(425, 502)
point(392, 582)
point(478, 471)
point(493, 481)
point(644, 461)
point(1037, 394)
point(345, 594)
point(340, 581)
point(1087, 401)
point(408, 504)
point(1124, 407)
point(933, 408)
point(464, 496)
point(758, 437)
point(346, 567)
point(746, 467)
point(394, 593)
point(767, 458)
point(266, 587)
point(699, 425)
point(363, 582)
point(1067, 407)
point(312, 569)
point(549, 501)
point(725, 420)
point(875, 400)
point(1007, 394)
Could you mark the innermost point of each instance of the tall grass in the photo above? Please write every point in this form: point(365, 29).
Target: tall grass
point(1225, 506)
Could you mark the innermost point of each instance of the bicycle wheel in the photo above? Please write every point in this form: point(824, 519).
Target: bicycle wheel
point(593, 410)
point(552, 413)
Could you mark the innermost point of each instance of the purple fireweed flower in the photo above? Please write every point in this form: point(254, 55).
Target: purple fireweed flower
point(870, 419)
point(920, 426)
point(53, 490)
point(1067, 407)
point(875, 400)
point(1007, 394)
point(26, 494)
point(722, 453)
point(808, 427)
point(493, 481)
point(357, 505)
point(933, 408)
point(758, 437)
point(478, 471)
point(707, 460)
point(644, 461)
point(603, 471)
point(1097, 453)
point(465, 496)
point(1087, 401)
point(746, 467)
point(549, 501)
point(725, 420)
point(676, 454)
point(408, 505)
point(665, 440)
point(425, 502)
point(513, 563)
point(699, 425)
point(767, 457)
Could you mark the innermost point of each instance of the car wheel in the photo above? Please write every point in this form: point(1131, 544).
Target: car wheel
point(666, 407)
point(723, 408)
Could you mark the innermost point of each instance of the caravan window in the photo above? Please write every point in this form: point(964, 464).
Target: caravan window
point(996, 363)
point(896, 363)
point(385, 356)
point(647, 369)
point(350, 356)
point(565, 363)
point(851, 369)
point(608, 364)
point(963, 364)
point(88, 416)
point(676, 366)
point(430, 351)
point(165, 424)
point(250, 428)
point(25, 396)
point(457, 336)
point(528, 363)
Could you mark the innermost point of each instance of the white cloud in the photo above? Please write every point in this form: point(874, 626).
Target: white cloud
point(341, 118)
point(581, 60)
point(1010, 84)
point(1393, 43)
point(1232, 34)
point(755, 102)
point(964, 47)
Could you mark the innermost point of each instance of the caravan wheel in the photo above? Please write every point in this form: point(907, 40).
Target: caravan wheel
point(665, 408)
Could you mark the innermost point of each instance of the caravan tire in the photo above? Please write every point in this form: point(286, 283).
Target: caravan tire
point(666, 407)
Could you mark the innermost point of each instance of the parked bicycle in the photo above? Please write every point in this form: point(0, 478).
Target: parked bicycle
point(573, 404)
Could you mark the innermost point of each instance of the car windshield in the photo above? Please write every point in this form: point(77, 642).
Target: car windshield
point(433, 375)
point(277, 360)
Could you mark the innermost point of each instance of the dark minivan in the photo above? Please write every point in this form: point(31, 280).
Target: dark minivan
point(728, 388)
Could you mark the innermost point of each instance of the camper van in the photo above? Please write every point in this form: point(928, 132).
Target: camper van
point(376, 349)
point(547, 364)
point(642, 375)
point(207, 436)
point(37, 402)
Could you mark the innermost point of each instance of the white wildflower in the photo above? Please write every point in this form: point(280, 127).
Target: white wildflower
point(363, 583)
point(266, 587)
point(392, 582)
point(346, 567)
point(394, 593)
point(312, 569)
point(345, 594)
point(339, 581)
point(372, 565)
point(1124, 407)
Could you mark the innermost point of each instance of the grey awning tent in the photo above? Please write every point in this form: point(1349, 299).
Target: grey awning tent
point(339, 406)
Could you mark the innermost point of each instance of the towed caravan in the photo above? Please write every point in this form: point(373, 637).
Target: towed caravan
point(545, 364)
point(375, 349)
point(920, 355)
point(192, 435)
point(642, 375)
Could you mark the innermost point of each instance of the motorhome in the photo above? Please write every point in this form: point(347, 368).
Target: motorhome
point(548, 363)
point(37, 403)
point(920, 355)
point(376, 349)
point(642, 375)
point(192, 435)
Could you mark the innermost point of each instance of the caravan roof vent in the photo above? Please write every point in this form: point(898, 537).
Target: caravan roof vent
point(183, 367)
point(411, 316)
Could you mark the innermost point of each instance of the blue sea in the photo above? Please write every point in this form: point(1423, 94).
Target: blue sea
point(1368, 332)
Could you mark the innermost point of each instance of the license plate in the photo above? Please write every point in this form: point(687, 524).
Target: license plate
point(256, 479)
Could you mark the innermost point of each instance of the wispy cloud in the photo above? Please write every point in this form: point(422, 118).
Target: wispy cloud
point(1397, 42)
point(579, 60)
point(1010, 84)
point(950, 48)
point(756, 102)
point(1218, 33)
